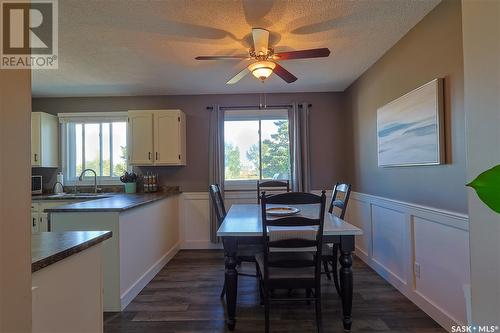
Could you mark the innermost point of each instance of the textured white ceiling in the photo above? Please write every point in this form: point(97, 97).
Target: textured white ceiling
point(139, 47)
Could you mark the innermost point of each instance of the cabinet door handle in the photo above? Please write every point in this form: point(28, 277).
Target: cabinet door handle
point(149, 155)
point(36, 157)
point(157, 156)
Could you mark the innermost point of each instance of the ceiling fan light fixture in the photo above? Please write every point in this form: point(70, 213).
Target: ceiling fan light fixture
point(262, 69)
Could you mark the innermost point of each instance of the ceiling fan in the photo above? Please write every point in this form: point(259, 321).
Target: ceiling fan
point(265, 57)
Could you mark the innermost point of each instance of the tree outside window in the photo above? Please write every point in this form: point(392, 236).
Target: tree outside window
point(257, 149)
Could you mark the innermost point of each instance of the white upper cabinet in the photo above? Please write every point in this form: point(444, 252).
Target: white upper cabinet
point(44, 140)
point(157, 137)
point(140, 138)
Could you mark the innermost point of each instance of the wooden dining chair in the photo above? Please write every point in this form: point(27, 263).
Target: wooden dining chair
point(338, 207)
point(246, 252)
point(291, 254)
point(272, 187)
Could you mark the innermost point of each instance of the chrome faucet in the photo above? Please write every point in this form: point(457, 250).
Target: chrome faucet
point(95, 178)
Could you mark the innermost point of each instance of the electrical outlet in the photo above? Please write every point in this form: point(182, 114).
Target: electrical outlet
point(417, 270)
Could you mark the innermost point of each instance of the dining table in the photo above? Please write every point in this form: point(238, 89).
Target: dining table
point(243, 225)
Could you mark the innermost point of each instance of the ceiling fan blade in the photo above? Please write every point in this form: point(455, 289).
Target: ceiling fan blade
point(228, 57)
point(260, 40)
point(302, 54)
point(284, 74)
point(239, 76)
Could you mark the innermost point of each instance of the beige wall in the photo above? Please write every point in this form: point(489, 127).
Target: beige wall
point(329, 122)
point(15, 200)
point(433, 48)
point(481, 39)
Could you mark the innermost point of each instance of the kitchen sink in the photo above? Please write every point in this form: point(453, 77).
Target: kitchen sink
point(80, 195)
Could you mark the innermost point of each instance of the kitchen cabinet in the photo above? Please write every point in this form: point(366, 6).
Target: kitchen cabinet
point(44, 140)
point(40, 219)
point(43, 222)
point(156, 137)
point(140, 137)
point(35, 222)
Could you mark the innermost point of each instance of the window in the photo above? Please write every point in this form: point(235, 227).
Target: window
point(256, 146)
point(97, 142)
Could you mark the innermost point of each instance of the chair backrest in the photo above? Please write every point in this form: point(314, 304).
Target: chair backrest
point(218, 202)
point(272, 187)
point(303, 222)
point(340, 198)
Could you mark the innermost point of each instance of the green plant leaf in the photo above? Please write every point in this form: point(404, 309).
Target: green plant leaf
point(487, 186)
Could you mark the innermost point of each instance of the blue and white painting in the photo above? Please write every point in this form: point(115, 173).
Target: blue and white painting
point(409, 130)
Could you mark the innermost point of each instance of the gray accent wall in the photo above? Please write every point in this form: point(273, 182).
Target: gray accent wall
point(433, 48)
point(330, 130)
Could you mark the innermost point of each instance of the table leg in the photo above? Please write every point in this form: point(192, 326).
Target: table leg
point(231, 281)
point(346, 281)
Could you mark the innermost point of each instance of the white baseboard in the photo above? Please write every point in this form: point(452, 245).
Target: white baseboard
point(136, 288)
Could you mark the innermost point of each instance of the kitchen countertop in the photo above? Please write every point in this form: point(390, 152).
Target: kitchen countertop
point(114, 203)
point(71, 197)
point(48, 248)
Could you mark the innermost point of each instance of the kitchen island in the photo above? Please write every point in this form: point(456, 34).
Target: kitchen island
point(145, 237)
point(67, 281)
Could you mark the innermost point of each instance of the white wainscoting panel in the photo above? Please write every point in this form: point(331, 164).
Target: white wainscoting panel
point(422, 251)
point(440, 281)
point(390, 239)
point(195, 216)
point(195, 221)
point(360, 216)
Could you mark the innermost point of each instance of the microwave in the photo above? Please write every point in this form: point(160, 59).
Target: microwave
point(36, 184)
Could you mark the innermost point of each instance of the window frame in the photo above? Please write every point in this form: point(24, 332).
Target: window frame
point(88, 118)
point(248, 115)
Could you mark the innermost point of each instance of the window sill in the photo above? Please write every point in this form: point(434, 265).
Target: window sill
point(240, 185)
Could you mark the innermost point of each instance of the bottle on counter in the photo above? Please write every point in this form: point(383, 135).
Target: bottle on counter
point(150, 181)
point(155, 183)
point(59, 185)
point(145, 183)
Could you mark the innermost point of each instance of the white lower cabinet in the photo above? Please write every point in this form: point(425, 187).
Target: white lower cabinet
point(43, 222)
point(40, 219)
point(35, 221)
point(67, 296)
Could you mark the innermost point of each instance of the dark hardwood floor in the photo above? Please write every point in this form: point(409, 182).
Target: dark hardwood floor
point(184, 297)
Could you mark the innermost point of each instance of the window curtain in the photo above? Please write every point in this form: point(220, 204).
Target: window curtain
point(215, 161)
point(298, 126)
